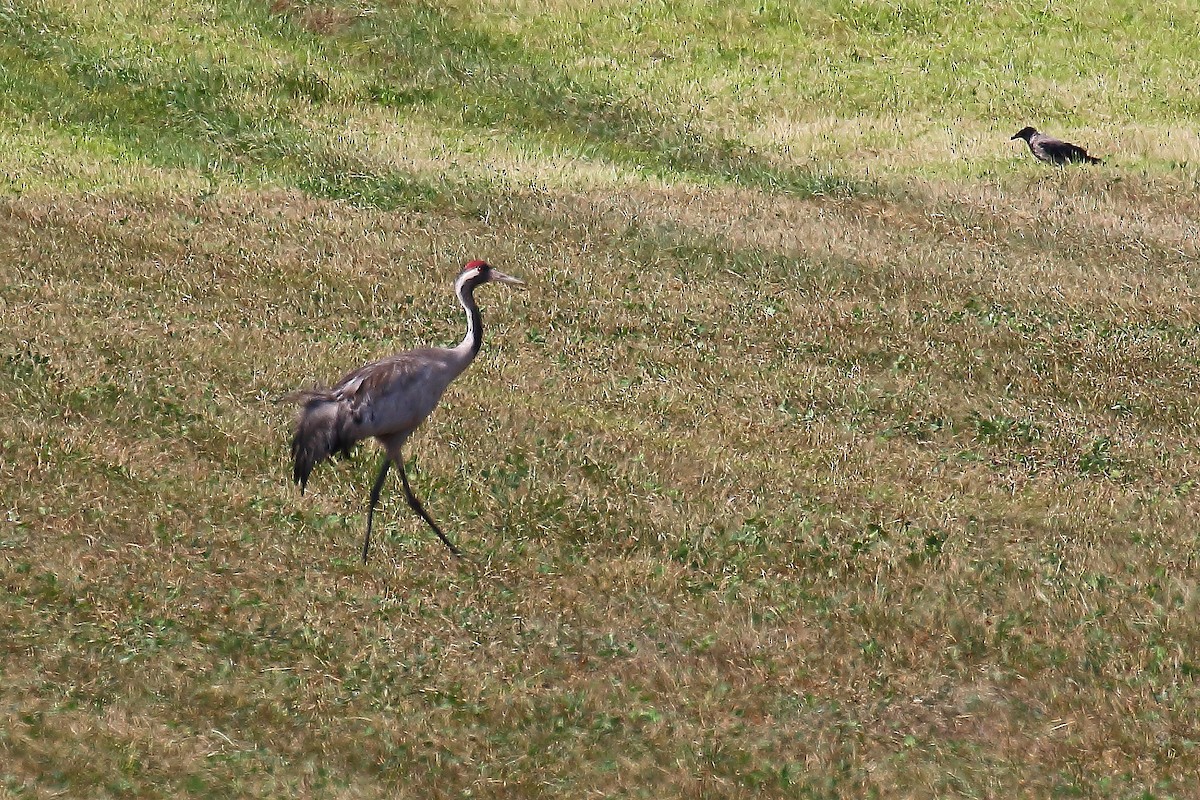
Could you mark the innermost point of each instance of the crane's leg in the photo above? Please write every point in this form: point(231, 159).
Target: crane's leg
point(375, 490)
point(417, 507)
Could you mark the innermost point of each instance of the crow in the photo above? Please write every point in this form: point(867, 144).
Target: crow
point(1053, 151)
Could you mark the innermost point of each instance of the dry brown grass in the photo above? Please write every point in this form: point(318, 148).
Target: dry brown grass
point(317, 17)
point(836, 448)
point(815, 497)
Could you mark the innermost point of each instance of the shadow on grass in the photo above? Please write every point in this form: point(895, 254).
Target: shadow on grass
point(188, 115)
point(190, 112)
point(485, 80)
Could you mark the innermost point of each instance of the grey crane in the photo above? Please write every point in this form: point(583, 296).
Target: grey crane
point(388, 399)
point(1051, 150)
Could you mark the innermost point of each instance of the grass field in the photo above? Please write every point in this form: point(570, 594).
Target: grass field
point(836, 448)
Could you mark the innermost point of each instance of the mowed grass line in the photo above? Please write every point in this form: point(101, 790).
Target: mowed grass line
point(347, 102)
point(753, 523)
point(275, 112)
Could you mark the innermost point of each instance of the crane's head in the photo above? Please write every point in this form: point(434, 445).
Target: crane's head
point(1024, 133)
point(479, 272)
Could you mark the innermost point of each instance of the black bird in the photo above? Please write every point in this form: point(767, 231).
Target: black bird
point(1053, 151)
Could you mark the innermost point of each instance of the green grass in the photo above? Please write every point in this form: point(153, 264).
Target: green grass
point(333, 99)
point(835, 449)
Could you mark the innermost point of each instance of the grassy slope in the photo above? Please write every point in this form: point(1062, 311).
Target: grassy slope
point(834, 449)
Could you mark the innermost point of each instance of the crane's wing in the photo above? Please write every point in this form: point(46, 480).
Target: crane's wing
point(394, 394)
point(389, 397)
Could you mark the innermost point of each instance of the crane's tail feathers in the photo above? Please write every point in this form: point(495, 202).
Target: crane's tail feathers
point(303, 395)
point(320, 432)
point(1093, 159)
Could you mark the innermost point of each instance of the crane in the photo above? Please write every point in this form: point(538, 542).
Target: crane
point(388, 399)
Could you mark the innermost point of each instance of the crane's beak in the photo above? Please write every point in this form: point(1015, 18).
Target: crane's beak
point(497, 275)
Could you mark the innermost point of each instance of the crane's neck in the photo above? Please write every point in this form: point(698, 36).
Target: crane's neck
point(465, 289)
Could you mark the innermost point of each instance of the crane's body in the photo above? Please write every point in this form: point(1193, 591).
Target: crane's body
point(387, 400)
point(1053, 151)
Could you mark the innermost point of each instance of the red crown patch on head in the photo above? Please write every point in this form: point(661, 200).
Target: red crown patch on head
point(474, 265)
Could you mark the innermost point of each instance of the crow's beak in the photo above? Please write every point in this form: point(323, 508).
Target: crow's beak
point(497, 275)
